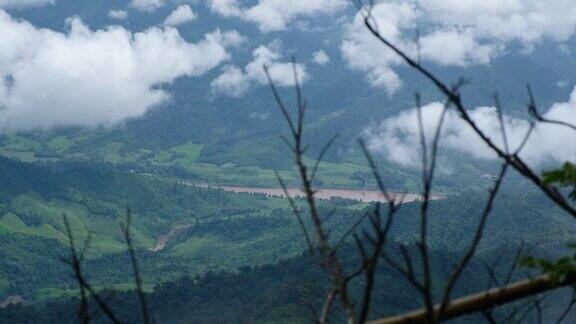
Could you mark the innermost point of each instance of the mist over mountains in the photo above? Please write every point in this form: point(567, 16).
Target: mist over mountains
point(145, 71)
point(159, 107)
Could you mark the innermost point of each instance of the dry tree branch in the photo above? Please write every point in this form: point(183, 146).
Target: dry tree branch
point(483, 300)
point(568, 307)
point(371, 262)
point(298, 215)
point(323, 318)
point(498, 106)
point(321, 157)
point(534, 305)
point(126, 230)
point(85, 287)
point(454, 97)
point(75, 262)
point(369, 245)
point(326, 252)
point(375, 172)
point(407, 259)
point(517, 310)
point(427, 174)
point(475, 241)
point(489, 317)
point(408, 274)
point(533, 111)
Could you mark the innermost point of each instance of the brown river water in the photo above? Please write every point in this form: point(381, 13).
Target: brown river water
point(364, 195)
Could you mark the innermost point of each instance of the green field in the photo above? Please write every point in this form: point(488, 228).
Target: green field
point(332, 175)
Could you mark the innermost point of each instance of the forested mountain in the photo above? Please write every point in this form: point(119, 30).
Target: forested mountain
point(162, 109)
point(244, 130)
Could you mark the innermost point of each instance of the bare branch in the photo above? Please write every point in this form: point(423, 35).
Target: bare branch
point(84, 286)
point(75, 262)
point(533, 110)
point(375, 172)
point(321, 157)
point(483, 300)
point(475, 241)
point(455, 99)
point(327, 253)
point(297, 213)
point(135, 268)
point(280, 103)
point(326, 308)
point(568, 307)
point(498, 106)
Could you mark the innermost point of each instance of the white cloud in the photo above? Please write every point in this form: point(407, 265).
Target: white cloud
point(180, 15)
point(118, 14)
point(234, 82)
point(226, 8)
point(453, 47)
point(274, 15)
point(320, 57)
point(89, 78)
point(233, 38)
point(364, 53)
point(271, 15)
point(147, 5)
point(397, 138)
point(231, 82)
point(19, 4)
point(453, 32)
point(524, 20)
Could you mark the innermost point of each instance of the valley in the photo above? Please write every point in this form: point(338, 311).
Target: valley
point(362, 195)
point(148, 136)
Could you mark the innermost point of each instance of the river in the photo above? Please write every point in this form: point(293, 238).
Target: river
point(364, 195)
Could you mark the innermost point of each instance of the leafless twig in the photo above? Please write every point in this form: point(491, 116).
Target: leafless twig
point(126, 230)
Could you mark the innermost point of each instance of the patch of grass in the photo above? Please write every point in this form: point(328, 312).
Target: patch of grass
point(60, 143)
point(109, 152)
point(198, 247)
point(55, 293)
point(12, 222)
point(190, 151)
point(24, 156)
point(48, 215)
point(161, 157)
point(45, 294)
point(23, 144)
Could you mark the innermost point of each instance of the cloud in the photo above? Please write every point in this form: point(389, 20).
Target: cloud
point(225, 8)
point(235, 82)
point(118, 14)
point(180, 15)
point(20, 4)
point(527, 21)
point(90, 78)
point(364, 53)
point(455, 48)
point(272, 15)
point(232, 38)
point(147, 5)
point(452, 32)
point(397, 138)
point(231, 82)
point(320, 57)
point(275, 15)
